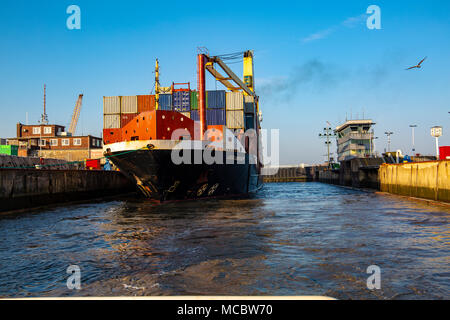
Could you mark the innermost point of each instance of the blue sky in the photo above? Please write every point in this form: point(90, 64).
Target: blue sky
point(315, 61)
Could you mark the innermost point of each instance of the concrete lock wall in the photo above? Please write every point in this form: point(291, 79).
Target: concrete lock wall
point(429, 180)
point(26, 188)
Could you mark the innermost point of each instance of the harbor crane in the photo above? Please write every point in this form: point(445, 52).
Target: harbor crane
point(75, 115)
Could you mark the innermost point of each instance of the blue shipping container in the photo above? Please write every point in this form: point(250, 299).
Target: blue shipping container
point(249, 122)
point(165, 102)
point(181, 101)
point(217, 99)
point(216, 117)
point(195, 115)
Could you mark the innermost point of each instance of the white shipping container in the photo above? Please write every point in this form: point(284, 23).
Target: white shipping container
point(111, 121)
point(111, 105)
point(235, 119)
point(235, 101)
point(129, 105)
point(249, 99)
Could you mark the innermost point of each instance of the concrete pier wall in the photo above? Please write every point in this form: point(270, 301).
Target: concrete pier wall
point(27, 188)
point(429, 180)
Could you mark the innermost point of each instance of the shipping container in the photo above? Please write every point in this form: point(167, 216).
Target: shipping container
point(444, 153)
point(126, 118)
point(112, 136)
point(235, 119)
point(93, 164)
point(186, 114)
point(111, 105)
point(249, 105)
point(195, 115)
point(216, 99)
point(9, 150)
point(249, 99)
point(111, 121)
point(129, 104)
point(249, 121)
point(235, 101)
point(215, 117)
point(181, 101)
point(146, 103)
point(165, 102)
point(194, 100)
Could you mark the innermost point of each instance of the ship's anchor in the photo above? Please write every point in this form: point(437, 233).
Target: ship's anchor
point(213, 189)
point(174, 187)
point(202, 190)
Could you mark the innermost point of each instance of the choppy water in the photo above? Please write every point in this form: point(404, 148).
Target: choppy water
point(292, 239)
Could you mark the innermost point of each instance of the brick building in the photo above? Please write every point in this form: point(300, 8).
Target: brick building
point(51, 141)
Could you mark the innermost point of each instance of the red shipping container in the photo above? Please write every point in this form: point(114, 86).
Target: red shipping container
point(146, 103)
point(169, 121)
point(125, 118)
point(93, 164)
point(444, 153)
point(112, 136)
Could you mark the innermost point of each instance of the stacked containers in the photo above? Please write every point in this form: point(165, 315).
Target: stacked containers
point(249, 109)
point(235, 110)
point(194, 106)
point(181, 101)
point(194, 100)
point(216, 106)
point(111, 112)
point(146, 103)
point(195, 115)
point(165, 102)
point(128, 109)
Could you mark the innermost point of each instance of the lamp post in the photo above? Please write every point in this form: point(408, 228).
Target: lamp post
point(389, 133)
point(436, 132)
point(412, 126)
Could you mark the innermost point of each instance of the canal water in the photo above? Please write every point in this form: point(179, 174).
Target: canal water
point(292, 239)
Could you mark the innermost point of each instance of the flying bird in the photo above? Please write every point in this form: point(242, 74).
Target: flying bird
point(419, 65)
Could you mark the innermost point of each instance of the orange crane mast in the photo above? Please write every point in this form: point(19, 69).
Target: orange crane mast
point(75, 115)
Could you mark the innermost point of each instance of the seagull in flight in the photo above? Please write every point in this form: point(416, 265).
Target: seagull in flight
point(419, 65)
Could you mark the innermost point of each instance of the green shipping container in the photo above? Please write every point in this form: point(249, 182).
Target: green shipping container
point(194, 100)
point(9, 150)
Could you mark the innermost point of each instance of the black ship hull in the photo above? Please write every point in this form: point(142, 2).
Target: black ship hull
point(159, 178)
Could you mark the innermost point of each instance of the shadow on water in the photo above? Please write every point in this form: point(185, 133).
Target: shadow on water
point(291, 239)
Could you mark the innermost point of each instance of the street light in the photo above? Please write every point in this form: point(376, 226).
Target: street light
point(389, 133)
point(412, 126)
point(436, 132)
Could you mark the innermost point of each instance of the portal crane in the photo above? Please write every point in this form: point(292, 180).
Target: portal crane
point(206, 62)
point(75, 115)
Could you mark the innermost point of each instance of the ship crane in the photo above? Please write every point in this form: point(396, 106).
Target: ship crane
point(206, 62)
point(75, 115)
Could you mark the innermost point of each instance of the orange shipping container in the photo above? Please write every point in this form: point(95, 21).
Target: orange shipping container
point(112, 135)
point(125, 118)
point(146, 103)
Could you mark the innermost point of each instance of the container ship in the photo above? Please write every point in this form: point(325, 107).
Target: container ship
point(183, 144)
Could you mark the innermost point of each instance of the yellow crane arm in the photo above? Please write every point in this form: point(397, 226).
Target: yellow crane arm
point(231, 76)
